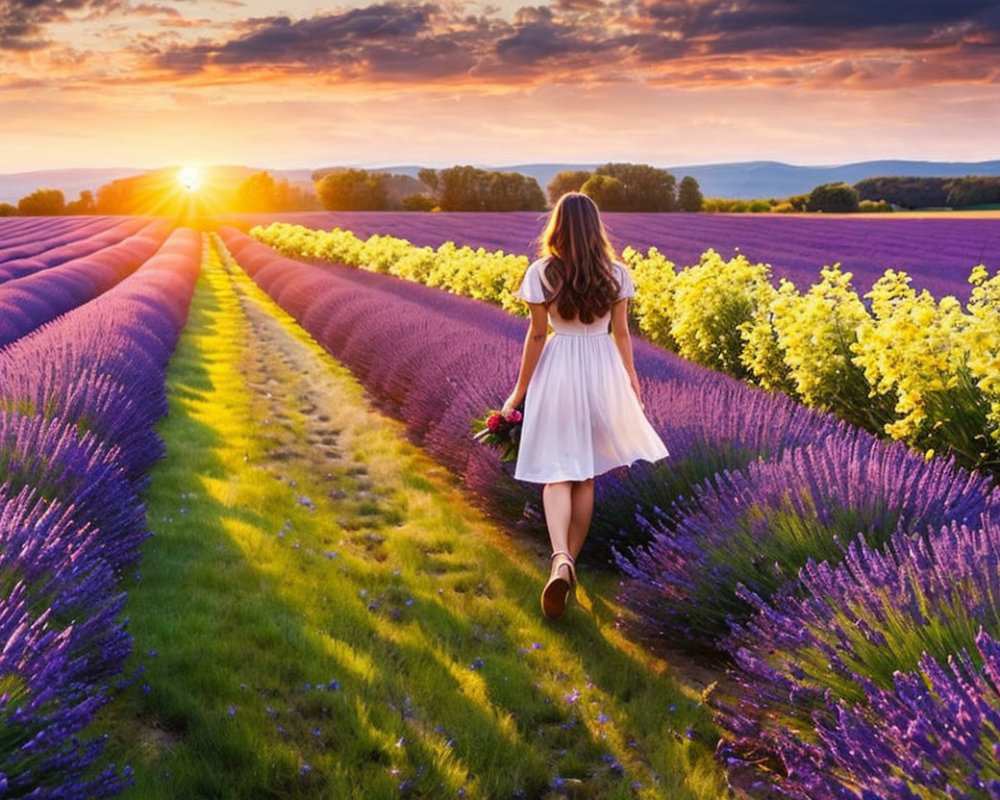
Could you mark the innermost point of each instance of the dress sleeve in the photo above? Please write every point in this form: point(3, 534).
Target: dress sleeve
point(530, 289)
point(625, 281)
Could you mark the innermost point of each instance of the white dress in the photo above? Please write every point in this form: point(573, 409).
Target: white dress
point(581, 417)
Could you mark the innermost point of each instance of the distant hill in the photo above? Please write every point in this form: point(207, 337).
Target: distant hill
point(749, 179)
point(71, 181)
point(774, 179)
point(746, 179)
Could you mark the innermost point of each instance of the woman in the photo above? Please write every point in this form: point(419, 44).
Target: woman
point(583, 412)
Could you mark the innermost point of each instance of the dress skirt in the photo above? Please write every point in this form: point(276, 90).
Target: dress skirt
point(581, 417)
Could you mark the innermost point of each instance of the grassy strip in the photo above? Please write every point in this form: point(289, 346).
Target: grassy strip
point(322, 614)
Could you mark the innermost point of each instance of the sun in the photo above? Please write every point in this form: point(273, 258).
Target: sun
point(189, 178)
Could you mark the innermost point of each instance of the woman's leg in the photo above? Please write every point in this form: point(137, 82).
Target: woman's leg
point(557, 500)
point(581, 513)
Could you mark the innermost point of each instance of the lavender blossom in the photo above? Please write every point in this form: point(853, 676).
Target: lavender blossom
point(842, 683)
point(757, 527)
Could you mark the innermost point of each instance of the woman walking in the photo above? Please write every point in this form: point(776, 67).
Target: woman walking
point(583, 412)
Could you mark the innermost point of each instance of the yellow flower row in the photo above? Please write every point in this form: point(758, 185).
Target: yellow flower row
point(904, 364)
point(476, 273)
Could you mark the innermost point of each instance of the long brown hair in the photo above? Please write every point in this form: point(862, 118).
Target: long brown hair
point(580, 256)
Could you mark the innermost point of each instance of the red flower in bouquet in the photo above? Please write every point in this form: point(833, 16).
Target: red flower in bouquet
point(500, 431)
point(496, 422)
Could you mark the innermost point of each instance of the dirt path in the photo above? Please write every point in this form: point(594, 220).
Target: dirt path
point(298, 392)
point(313, 442)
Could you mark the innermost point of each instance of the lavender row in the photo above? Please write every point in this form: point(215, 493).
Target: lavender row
point(20, 236)
point(46, 253)
point(78, 400)
point(36, 298)
point(834, 570)
point(938, 253)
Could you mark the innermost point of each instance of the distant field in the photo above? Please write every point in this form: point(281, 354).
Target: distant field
point(937, 249)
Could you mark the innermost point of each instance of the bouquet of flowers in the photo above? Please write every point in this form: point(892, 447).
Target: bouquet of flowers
point(500, 431)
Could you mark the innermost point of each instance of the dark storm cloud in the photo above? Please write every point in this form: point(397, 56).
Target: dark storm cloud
point(803, 26)
point(327, 37)
point(536, 35)
point(23, 22)
point(850, 15)
point(385, 41)
point(658, 38)
point(26, 24)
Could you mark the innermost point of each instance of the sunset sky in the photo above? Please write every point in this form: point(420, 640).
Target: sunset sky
point(297, 83)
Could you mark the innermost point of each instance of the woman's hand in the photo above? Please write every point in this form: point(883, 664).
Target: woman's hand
point(511, 403)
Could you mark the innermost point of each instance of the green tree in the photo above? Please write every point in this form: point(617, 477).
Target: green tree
point(799, 202)
point(607, 192)
point(259, 192)
point(644, 188)
point(571, 180)
point(833, 198)
point(905, 192)
point(417, 202)
point(689, 197)
point(42, 203)
point(973, 191)
point(468, 188)
point(8, 210)
point(352, 190)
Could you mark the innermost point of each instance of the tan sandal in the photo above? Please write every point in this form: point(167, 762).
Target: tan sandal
point(561, 585)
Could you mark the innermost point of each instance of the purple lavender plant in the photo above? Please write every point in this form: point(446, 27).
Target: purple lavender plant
point(757, 527)
point(78, 399)
point(839, 687)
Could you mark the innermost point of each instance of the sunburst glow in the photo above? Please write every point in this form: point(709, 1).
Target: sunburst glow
point(189, 178)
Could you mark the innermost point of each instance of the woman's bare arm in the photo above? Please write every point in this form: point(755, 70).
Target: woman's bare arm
point(534, 340)
point(623, 340)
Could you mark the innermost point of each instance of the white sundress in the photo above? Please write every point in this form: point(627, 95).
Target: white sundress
point(581, 417)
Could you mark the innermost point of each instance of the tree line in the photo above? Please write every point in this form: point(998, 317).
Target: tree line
point(614, 187)
point(620, 187)
point(916, 192)
point(879, 194)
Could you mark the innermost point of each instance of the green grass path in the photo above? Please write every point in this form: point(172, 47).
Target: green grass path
point(322, 613)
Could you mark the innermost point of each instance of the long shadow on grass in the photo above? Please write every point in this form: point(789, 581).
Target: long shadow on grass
point(362, 683)
point(243, 698)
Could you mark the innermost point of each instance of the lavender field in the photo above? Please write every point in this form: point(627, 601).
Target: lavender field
point(843, 587)
point(939, 252)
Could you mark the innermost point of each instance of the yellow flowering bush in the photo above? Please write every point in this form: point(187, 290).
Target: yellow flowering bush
point(478, 273)
point(711, 303)
point(915, 349)
point(762, 354)
point(982, 341)
point(815, 332)
point(652, 307)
